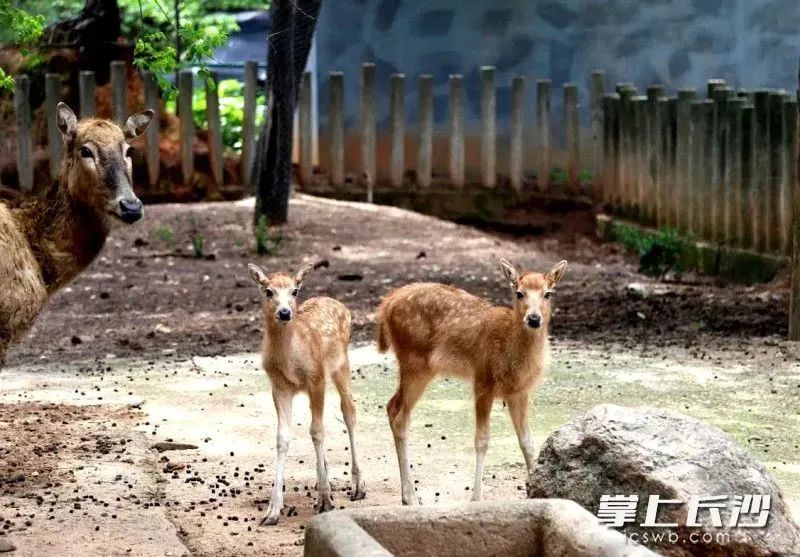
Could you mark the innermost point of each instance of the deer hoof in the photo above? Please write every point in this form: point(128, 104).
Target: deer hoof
point(268, 520)
point(324, 504)
point(359, 493)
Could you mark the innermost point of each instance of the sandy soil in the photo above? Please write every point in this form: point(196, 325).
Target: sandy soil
point(152, 345)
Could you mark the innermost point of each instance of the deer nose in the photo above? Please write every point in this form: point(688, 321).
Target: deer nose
point(534, 321)
point(130, 210)
point(284, 314)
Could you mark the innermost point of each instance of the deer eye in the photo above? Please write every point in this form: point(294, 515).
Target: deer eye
point(520, 294)
point(548, 294)
point(129, 151)
point(294, 292)
point(86, 153)
point(268, 292)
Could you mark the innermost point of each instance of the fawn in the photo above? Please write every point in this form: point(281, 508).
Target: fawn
point(303, 347)
point(436, 329)
point(48, 240)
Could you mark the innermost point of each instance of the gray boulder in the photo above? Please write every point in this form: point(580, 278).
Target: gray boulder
point(615, 450)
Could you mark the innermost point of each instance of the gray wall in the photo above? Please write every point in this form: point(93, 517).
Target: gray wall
point(749, 43)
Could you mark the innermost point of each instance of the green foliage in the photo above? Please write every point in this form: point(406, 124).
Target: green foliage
point(658, 252)
point(19, 27)
point(267, 243)
point(197, 246)
point(149, 24)
point(199, 33)
point(231, 111)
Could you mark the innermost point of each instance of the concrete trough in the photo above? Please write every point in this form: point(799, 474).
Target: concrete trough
point(536, 527)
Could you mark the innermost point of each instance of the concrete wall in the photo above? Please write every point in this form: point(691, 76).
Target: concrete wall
point(749, 43)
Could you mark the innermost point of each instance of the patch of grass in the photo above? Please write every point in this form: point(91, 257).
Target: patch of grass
point(165, 235)
point(267, 242)
point(658, 253)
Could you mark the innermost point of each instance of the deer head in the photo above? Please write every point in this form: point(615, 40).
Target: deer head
point(532, 292)
point(97, 171)
point(279, 291)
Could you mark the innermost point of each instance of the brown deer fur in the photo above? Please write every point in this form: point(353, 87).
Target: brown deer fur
point(48, 240)
point(440, 330)
point(302, 348)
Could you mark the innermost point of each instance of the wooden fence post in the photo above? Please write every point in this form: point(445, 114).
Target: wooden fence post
point(543, 124)
point(697, 202)
point(734, 203)
point(425, 150)
point(761, 176)
point(610, 147)
point(153, 154)
point(368, 127)
point(683, 159)
point(515, 170)
point(662, 147)
point(626, 153)
point(670, 200)
point(119, 92)
point(750, 203)
point(214, 129)
point(572, 135)
point(86, 94)
point(597, 90)
point(336, 125)
point(794, 297)
point(249, 122)
point(457, 130)
point(305, 131)
point(397, 117)
point(779, 211)
point(22, 108)
point(55, 145)
point(712, 85)
point(720, 184)
point(638, 134)
point(185, 86)
point(652, 139)
point(789, 165)
point(489, 128)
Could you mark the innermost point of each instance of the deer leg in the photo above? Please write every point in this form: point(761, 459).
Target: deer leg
point(342, 382)
point(283, 407)
point(412, 384)
point(317, 397)
point(483, 409)
point(518, 408)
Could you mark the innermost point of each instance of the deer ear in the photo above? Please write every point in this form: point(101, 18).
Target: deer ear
point(510, 272)
point(303, 273)
point(256, 273)
point(555, 274)
point(137, 123)
point(67, 122)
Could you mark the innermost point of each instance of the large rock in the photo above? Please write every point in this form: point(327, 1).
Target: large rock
point(614, 450)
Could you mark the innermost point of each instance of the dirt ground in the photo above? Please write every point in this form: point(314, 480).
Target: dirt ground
point(152, 344)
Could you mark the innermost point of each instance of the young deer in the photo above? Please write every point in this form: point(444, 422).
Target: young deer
point(48, 240)
point(301, 349)
point(436, 329)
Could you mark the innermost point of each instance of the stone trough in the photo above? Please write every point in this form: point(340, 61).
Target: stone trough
point(537, 527)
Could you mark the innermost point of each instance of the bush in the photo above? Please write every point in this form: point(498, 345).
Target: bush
point(231, 111)
point(658, 252)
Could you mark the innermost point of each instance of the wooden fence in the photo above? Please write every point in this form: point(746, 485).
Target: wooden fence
point(395, 173)
point(119, 113)
point(720, 168)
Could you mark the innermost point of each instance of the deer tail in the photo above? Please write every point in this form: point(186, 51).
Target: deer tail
point(384, 341)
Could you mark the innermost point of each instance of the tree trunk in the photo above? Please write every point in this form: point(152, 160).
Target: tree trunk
point(289, 43)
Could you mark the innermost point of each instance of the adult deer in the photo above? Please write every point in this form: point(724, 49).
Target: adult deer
point(436, 329)
point(302, 348)
point(49, 239)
